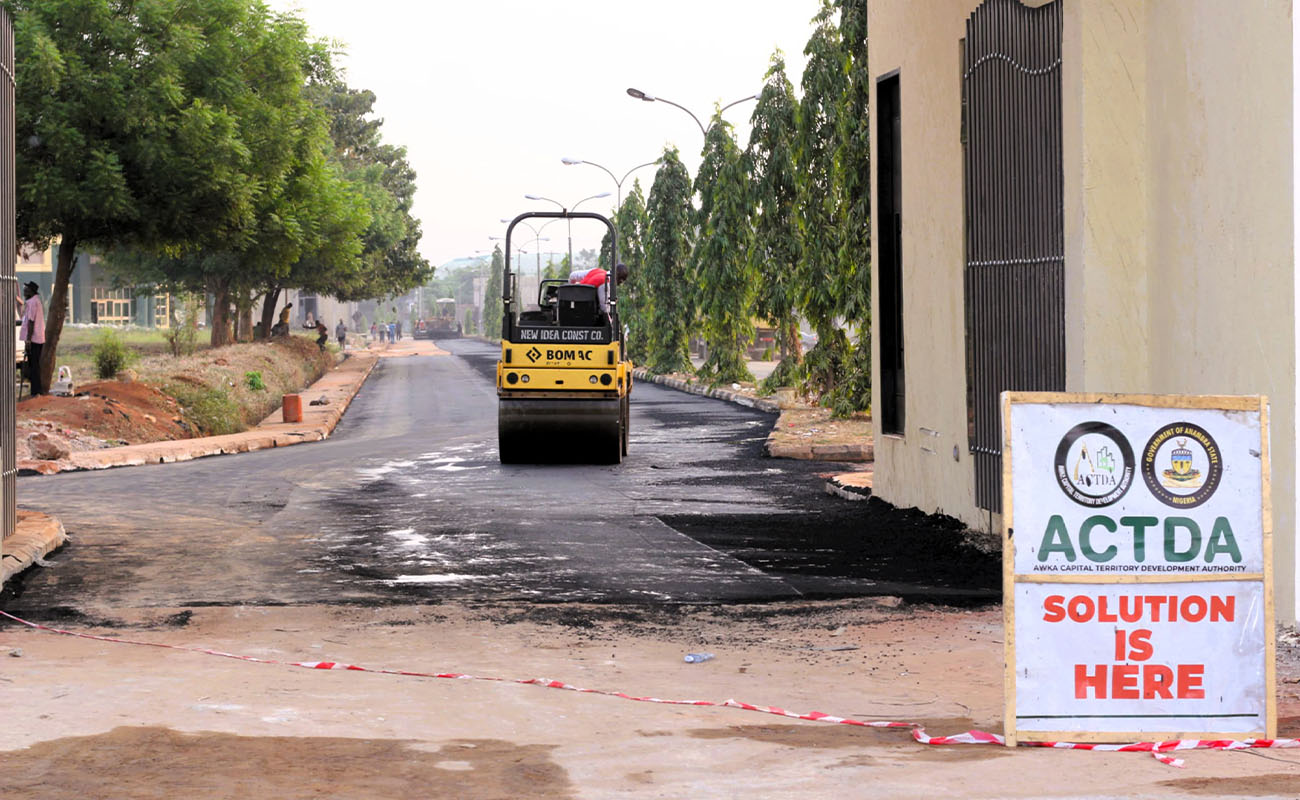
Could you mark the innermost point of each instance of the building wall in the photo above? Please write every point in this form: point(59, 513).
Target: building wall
point(1177, 145)
point(1221, 245)
point(920, 41)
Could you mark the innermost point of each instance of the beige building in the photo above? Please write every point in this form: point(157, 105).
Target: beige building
point(1082, 195)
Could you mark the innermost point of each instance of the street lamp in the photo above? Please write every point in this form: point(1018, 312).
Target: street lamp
point(565, 211)
point(617, 181)
point(537, 232)
point(649, 98)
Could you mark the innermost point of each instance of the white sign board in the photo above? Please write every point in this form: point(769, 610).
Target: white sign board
point(1137, 567)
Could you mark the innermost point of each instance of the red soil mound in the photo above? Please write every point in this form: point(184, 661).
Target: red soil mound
point(130, 413)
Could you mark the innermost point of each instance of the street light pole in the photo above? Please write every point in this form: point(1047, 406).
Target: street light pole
point(649, 98)
point(565, 211)
point(520, 253)
point(618, 182)
point(537, 232)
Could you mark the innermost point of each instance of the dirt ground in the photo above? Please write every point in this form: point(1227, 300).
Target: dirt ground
point(813, 425)
point(135, 409)
point(101, 414)
point(92, 719)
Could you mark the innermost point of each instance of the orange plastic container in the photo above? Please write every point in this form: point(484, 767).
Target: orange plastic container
point(292, 408)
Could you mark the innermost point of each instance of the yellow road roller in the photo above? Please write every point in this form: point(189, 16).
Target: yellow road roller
point(563, 380)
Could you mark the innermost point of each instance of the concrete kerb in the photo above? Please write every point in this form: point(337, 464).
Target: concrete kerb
point(336, 388)
point(851, 485)
point(758, 403)
point(36, 536)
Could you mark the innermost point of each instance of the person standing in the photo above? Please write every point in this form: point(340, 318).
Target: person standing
point(341, 333)
point(32, 333)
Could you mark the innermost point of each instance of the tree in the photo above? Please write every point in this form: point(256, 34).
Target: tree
point(819, 204)
point(122, 137)
point(492, 303)
point(633, 296)
point(557, 270)
point(668, 248)
point(388, 262)
point(774, 254)
point(853, 178)
point(720, 258)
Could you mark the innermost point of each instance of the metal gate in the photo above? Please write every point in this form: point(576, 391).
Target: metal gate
point(8, 281)
point(1015, 262)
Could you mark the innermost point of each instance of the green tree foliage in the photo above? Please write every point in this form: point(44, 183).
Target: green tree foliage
point(306, 214)
point(668, 246)
point(720, 258)
point(631, 223)
point(492, 304)
point(257, 67)
point(380, 174)
point(852, 389)
point(774, 254)
point(819, 205)
point(557, 270)
point(853, 166)
point(123, 135)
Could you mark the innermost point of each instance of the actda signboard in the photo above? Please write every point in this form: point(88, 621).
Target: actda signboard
point(1137, 567)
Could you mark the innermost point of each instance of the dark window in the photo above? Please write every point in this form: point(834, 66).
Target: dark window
point(889, 194)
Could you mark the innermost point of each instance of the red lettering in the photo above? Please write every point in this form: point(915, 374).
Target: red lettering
point(1198, 613)
point(1080, 608)
point(1083, 681)
point(1139, 643)
point(1190, 677)
point(1156, 682)
point(1120, 649)
point(1223, 609)
point(1124, 681)
point(1054, 605)
point(1130, 608)
point(1103, 611)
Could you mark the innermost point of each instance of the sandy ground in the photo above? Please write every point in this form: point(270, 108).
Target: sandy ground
point(92, 719)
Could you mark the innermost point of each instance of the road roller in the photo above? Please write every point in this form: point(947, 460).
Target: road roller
point(563, 379)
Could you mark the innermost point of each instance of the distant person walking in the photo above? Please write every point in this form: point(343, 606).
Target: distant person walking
point(392, 332)
point(323, 334)
point(32, 334)
point(341, 333)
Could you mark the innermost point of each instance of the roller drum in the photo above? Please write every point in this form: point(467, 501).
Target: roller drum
point(549, 431)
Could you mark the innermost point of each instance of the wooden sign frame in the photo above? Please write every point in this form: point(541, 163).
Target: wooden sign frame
point(1011, 579)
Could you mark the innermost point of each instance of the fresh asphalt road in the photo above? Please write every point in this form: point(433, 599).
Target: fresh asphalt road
point(407, 503)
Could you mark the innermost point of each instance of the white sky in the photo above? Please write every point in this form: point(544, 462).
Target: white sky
point(488, 96)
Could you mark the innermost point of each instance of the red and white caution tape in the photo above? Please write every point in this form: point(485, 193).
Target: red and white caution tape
point(1160, 750)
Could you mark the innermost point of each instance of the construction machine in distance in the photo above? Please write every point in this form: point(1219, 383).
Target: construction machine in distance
point(563, 380)
point(442, 325)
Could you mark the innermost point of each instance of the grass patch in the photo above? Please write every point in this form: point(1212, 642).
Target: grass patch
point(111, 354)
point(230, 389)
point(210, 410)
